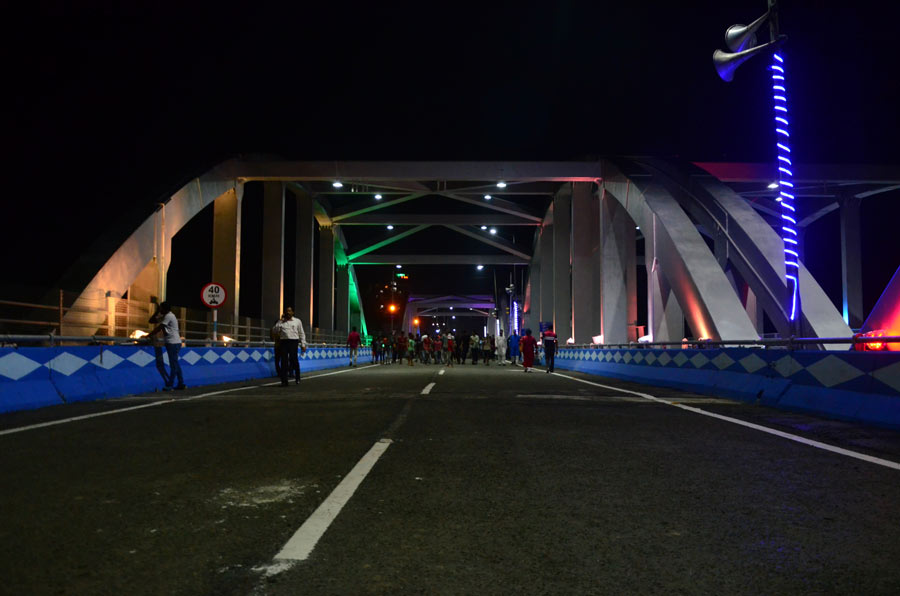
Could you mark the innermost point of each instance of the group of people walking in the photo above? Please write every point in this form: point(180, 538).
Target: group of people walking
point(442, 347)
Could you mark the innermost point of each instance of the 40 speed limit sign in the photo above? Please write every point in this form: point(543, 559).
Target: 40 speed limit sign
point(213, 295)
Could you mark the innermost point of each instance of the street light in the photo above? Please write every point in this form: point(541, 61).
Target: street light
point(740, 39)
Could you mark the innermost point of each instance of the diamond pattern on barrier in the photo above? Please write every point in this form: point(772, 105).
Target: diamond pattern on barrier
point(723, 361)
point(831, 371)
point(243, 356)
point(627, 357)
point(650, 358)
point(680, 359)
point(227, 356)
point(107, 360)
point(638, 357)
point(595, 355)
point(664, 358)
point(752, 363)
point(609, 356)
point(787, 366)
point(141, 358)
point(256, 356)
point(268, 355)
point(618, 357)
point(210, 356)
point(15, 366)
point(699, 360)
point(66, 364)
point(191, 357)
point(889, 375)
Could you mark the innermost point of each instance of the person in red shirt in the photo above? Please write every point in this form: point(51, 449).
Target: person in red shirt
point(426, 347)
point(550, 345)
point(353, 341)
point(528, 345)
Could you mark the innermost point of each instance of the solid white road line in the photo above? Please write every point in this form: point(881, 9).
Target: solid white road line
point(825, 446)
point(159, 403)
point(301, 544)
point(427, 389)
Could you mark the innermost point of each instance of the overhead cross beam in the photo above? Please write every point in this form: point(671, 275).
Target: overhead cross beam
point(461, 219)
point(501, 205)
point(419, 259)
point(490, 240)
point(366, 206)
point(385, 242)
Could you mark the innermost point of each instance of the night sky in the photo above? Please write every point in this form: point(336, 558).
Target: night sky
point(110, 110)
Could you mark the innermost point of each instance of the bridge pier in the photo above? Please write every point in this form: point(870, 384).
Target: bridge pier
point(272, 265)
point(585, 235)
point(619, 271)
point(303, 262)
point(562, 264)
point(226, 263)
point(326, 278)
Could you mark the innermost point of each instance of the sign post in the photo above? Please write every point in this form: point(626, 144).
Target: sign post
point(213, 296)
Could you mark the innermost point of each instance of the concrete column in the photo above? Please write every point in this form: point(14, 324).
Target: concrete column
point(303, 270)
point(584, 233)
point(562, 264)
point(272, 265)
point(851, 261)
point(754, 309)
point(597, 270)
point(619, 299)
point(547, 265)
point(533, 290)
point(667, 320)
point(226, 263)
point(342, 299)
point(326, 278)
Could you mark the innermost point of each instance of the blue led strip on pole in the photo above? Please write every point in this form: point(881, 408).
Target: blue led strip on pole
point(786, 185)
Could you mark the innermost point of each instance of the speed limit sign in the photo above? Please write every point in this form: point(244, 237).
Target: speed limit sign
point(213, 295)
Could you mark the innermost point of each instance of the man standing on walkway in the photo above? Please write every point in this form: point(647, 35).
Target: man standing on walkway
point(172, 338)
point(514, 348)
point(290, 330)
point(549, 340)
point(501, 348)
point(353, 343)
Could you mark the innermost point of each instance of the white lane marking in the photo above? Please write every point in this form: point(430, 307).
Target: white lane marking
point(301, 544)
point(427, 389)
point(825, 446)
point(440, 372)
point(158, 403)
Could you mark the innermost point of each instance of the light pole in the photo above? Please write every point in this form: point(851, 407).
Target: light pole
point(740, 39)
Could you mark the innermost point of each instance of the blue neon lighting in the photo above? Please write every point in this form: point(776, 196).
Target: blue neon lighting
point(785, 180)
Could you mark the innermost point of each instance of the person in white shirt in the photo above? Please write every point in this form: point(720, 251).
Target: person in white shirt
point(168, 326)
point(501, 348)
point(290, 330)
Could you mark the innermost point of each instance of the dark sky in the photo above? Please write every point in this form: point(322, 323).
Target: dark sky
point(110, 109)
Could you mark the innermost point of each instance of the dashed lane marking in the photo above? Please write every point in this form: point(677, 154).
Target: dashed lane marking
point(301, 544)
point(428, 388)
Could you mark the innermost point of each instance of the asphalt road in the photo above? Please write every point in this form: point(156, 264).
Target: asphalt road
point(494, 482)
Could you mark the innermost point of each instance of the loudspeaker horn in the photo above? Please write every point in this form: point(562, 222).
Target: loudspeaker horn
point(727, 63)
point(740, 37)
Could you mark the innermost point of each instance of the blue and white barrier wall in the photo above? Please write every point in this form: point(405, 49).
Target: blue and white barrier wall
point(38, 377)
point(859, 386)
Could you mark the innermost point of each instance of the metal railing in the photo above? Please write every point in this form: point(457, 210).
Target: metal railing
point(53, 340)
point(124, 319)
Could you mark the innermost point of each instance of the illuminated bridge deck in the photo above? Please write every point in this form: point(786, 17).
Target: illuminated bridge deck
point(478, 480)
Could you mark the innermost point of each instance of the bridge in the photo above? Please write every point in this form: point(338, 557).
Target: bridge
point(687, 443)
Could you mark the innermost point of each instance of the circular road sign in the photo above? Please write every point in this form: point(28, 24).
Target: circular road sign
point(213, 295)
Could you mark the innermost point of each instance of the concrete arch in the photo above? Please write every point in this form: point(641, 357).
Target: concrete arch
point(672, 241)
point(746, 241)
point(149, 244)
